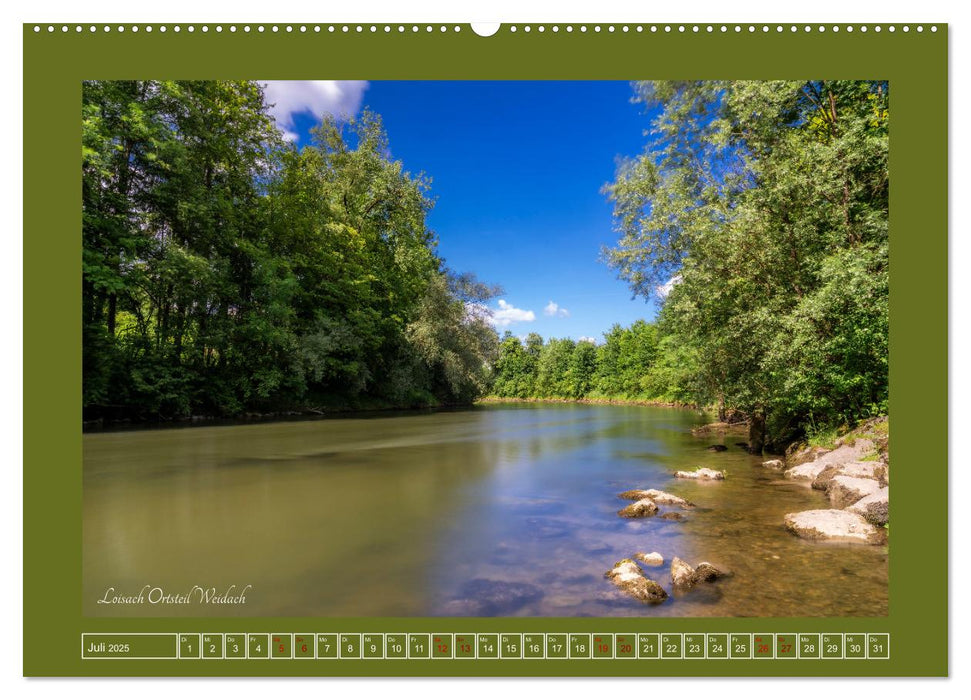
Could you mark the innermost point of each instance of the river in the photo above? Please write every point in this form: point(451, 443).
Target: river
point(504, 509)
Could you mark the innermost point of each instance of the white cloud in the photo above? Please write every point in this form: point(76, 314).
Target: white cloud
point(475, 311)
point(587, 339)
point(666, 288)
point(507, 313)
point(554, 309)
point(341, 98)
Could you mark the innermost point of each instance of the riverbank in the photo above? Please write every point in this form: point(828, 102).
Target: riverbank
point(364, 409)
point(853, 469)
point(597, 401)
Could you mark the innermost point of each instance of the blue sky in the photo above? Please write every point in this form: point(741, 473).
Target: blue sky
point(517, 170)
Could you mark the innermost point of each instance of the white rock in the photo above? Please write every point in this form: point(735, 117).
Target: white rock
point(773, 464)
point(847, 490)
point(702, 473)
point(859, 470)
point(841, 455)
point(641, 509)
point(629, 578)
point(652, 559)
point(662, 497)
point(625, 570)
point(874, 508)
point(682, 573)
point(833, 525)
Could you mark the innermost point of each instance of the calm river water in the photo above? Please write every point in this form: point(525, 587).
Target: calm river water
point(506, 509)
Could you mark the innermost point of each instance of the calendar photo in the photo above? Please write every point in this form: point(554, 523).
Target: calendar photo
point(405, 348)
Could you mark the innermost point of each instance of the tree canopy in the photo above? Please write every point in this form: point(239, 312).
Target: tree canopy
point(225, 270)
point(761, 209)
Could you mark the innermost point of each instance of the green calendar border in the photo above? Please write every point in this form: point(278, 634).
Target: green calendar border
point(916, 64)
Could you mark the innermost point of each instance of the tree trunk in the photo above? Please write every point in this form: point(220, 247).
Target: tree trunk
point(756, 432)
point(112, 313)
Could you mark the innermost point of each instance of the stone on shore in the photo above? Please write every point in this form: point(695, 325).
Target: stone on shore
point(651, 559)
point(799, 454)
point(630, 579)
point(834, 526)
point(682, 573)
point(808, 471)
point(859, 470)
point(844, 491)
point(774, 464)
point(643, 508)
point(874, 508)
point(662, 497)
point(702, 473)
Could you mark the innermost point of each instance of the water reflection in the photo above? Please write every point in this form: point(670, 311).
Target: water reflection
point(501, 510)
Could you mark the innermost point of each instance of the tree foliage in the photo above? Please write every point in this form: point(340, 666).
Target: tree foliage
point(226, 271)
point(763, 208)
point(623, 366)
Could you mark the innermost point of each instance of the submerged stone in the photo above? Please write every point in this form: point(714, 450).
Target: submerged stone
point(643, 508)
point(489, 598)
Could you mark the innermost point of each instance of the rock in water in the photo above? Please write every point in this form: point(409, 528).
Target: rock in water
point(708, 572)
point(716, 448)
point(874, 508)
point(652, 559)
point(847, 490)
point(834, 526)
point(629, 578)
point(662, 497)
point(702, 473)
point(672, 515)
point(643, 508)
point(773, 464)
point(682, 574)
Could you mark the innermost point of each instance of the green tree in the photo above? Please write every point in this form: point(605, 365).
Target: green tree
point(746, 202)
point(553, 378)
point(583, 369)
point(224, 270)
